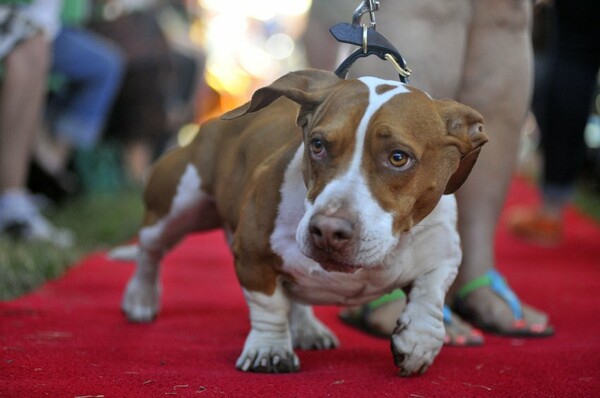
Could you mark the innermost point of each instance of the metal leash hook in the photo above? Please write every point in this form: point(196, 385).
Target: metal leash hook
point(367, 6)
point(370, 41)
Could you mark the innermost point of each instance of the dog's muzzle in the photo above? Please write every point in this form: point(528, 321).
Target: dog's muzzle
point(333, 242)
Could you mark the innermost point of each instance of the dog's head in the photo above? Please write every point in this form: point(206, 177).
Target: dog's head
point(378, 156)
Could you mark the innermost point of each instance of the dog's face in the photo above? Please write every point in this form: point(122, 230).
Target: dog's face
point(378, 156)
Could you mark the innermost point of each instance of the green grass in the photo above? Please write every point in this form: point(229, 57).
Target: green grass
point(587, 199)
point(98, 222)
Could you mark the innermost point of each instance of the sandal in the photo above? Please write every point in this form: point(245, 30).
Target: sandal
point(458, 339)
point(535, 226)
point(360, 320)
point(494, 280)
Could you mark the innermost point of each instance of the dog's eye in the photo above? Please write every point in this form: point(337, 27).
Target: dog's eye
point(317, 147)
point(400, 159)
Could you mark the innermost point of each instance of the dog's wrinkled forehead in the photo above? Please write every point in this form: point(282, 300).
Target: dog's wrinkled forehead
point(380, 92)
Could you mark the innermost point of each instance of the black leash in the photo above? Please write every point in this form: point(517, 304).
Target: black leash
point(370, 41)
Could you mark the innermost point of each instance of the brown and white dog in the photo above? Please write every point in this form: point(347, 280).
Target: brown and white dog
point(334, 193)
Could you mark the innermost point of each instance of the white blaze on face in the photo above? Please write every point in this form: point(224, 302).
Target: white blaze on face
point(376, 101)
point(352, 189)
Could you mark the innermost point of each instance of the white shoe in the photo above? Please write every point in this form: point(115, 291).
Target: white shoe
point(21, 218)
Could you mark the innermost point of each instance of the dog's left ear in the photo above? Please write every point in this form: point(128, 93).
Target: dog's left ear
point(306, 87)
point(466, 132)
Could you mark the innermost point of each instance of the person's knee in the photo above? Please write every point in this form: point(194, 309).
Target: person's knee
point(29, 59)
point(432, 12)
point(511, 16)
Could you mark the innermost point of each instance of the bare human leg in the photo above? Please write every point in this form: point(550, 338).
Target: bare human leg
point(432, 36)
point(21, 101)
point(497, 81)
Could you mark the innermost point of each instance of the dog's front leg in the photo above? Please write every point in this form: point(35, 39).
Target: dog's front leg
point(268, 347)
point(419, 335)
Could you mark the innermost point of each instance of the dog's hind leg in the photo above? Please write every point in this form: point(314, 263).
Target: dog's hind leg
point(189, 210)
point(308, 333)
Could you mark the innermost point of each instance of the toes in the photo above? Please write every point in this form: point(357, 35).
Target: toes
point(313, 336)
point(537, 323)
point(141, 301)
point(414, 349)
point(399, 357)
point(320, 341)
point(274, 360)
point(461, 334)
point(139, 314)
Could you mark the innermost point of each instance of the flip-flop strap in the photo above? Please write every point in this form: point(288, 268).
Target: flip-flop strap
point(498, 284)
point(394, 295)
point(398, 294)
point(447, 315)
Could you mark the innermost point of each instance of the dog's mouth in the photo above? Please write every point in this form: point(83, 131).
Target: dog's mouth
point(334, 266)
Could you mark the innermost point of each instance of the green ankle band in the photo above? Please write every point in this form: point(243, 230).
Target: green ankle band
point(484, 280)
point(393, 296)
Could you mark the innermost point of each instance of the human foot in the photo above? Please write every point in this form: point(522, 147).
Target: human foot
point(458, 332)
point(489, 303)
point(379, 318)
point(535, 226)
point(21, 219)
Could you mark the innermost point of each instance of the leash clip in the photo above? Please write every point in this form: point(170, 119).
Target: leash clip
point(370, 41)
point(367, 6)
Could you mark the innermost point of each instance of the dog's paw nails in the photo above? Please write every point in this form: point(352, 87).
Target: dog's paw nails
point(245, 365)
point(399, 359)
point(320, 342)
point(268, 361)
point(413, 355)
point(140, 303)
point(404, 372)
point(326, 343)
point(315, 337)
point(139, 314)
point(287, 364)
point(139, 310)
point(413, 360)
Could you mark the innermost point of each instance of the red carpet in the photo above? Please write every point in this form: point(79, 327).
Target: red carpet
point(69, 339)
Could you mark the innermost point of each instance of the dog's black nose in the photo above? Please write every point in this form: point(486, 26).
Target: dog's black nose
point(330, 234)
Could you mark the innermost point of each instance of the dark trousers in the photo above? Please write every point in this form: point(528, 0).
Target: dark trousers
point(562, 105)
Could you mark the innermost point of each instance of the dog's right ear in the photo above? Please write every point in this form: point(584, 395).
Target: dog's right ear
point(306, 87)
point(466, 133)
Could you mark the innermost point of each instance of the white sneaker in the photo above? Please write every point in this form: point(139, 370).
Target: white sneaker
point(22, 219)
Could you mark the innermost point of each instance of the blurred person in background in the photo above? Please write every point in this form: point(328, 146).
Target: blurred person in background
point(26, 31)
point(87, 71)
point(163, 72)
point(477, 52)
point(562, 106)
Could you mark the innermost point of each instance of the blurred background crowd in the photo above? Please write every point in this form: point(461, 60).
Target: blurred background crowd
point(126, 79)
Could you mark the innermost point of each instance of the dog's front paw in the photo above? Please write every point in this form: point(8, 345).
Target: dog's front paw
point(140, 302)
point(313, 335)
point(415, 344)
point(268, 352)
point(268, 359)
